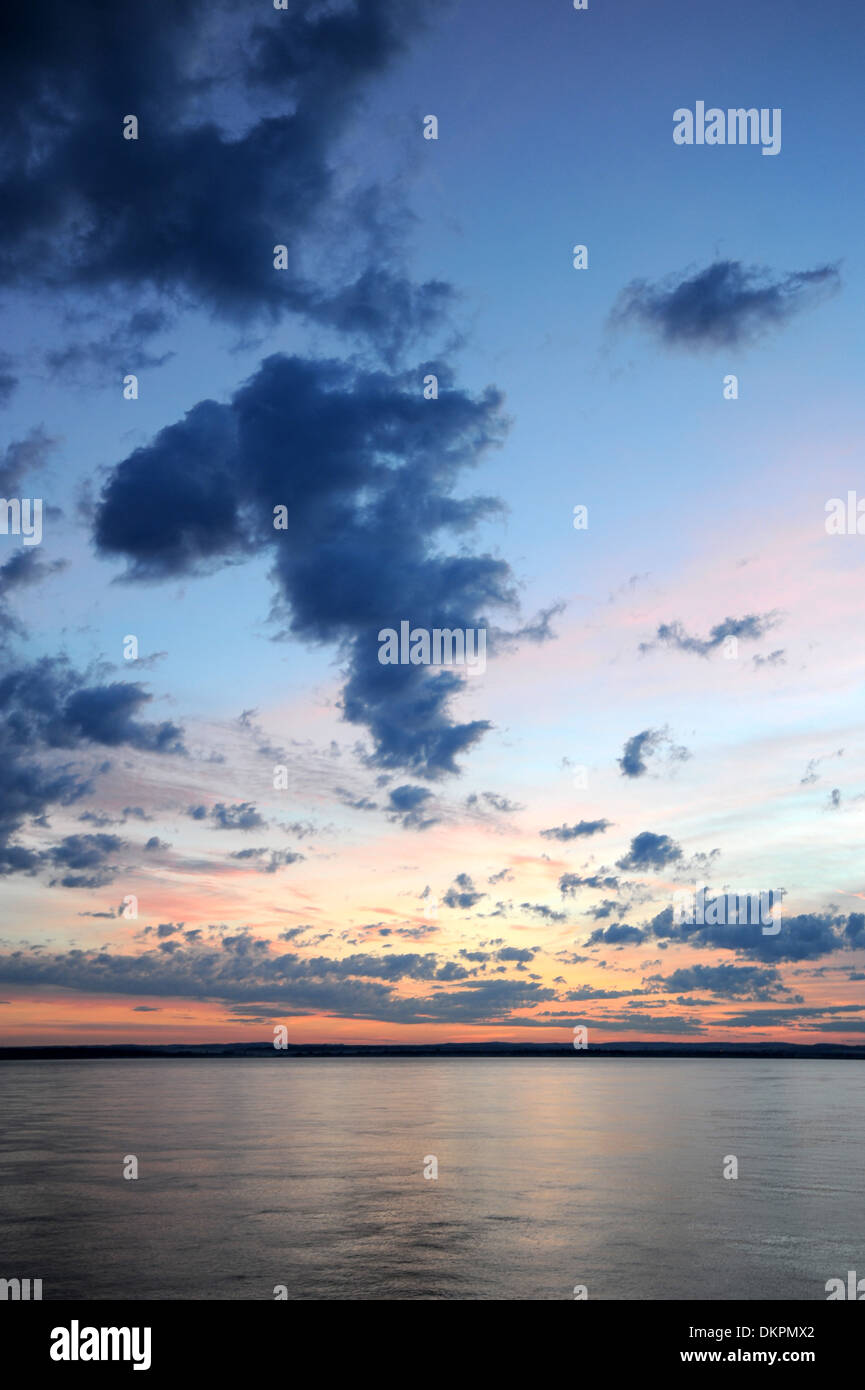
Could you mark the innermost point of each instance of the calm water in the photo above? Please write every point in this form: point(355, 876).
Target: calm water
point(309, 1173)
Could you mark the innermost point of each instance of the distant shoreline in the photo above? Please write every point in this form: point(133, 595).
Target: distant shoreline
point(175, 1051)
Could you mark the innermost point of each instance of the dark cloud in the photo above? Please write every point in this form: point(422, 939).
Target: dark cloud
point(242, 971)
point(725, 305)
point(355, 803)
point(45, 710)
point(23, 457)
point(366, 468)
point(493, 799)
point(408, 807)
point(225, 165)
point(748, 629)
point(631, 1022)
point(619, 935)
point(106, 714)
point(806, 936)
point(650, 851)
point(242, 815)
point(268, 861)
point(23, 570)
point(589, 992)
point(124, 341)
point(855, 929)
point(521, 956)
point(640, 747)
point(608, 907)
point(84, 860)
point(633, 759)
point(462, 893)
point(727, 981)
point(779, 1018)
point(578, 831)
point(541, 910)
point(26, 567)
point(8, 379)
point(569, 883)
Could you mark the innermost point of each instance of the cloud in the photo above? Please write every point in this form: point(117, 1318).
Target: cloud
point(46, 710)
point(569, 883)
point(541, 910)
point(498, 803)
point(576, 832)
point(725, 305)
point(366, 470)
point(780, 1018)
point(749, 629)
point(640, 747)
point(87, 853)
point(619, 935)
point(241, 815)
point(632, 1022)
point(105, 714)
point(811, 773)
point(22, 570)
point(407, 804)
point(607, 908)
point(23, 457)
point(226, 165)
point(462, 893)
point(268, 861)
point(728, 981)
point(244, 973)
point(650, 851)
point(8, 379)
point(806, 936)
point(589, 992)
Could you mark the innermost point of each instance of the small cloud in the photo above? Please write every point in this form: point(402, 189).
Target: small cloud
point(582, 829)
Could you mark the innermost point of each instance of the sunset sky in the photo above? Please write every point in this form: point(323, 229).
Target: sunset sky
point(672, 695)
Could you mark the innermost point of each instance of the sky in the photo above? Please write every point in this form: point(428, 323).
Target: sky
point(220, 812)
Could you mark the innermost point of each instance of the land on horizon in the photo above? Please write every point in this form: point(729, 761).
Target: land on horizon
point(95, 1052)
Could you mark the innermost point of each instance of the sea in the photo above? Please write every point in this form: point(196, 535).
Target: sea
point(432, 1177)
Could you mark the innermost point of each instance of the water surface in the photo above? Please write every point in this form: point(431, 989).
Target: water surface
point(553, 1172)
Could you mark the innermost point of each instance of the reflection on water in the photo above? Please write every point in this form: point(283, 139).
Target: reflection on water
point(552, 1172)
